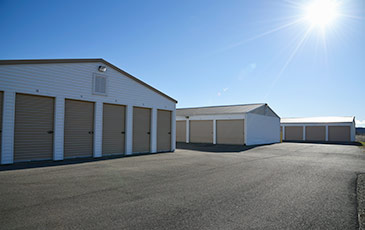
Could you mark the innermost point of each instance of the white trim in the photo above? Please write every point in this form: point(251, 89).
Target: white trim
point(187, 131)
point(173, 130)
point(7, 142)
point(129, 130)
point(59, 128)
point(98, 129)
point(153, 136)
point(214, 131)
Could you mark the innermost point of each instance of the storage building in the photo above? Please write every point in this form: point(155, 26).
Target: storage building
point(66, 108)
point(249, 124)
point(318, 129)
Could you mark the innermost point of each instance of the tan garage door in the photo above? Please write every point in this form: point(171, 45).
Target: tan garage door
point(113, 129)
point(339, 133)
point(201, 131)
point(294, 133)
point(33, 131)
point(141, 130)
point(1, 119)
point(79, 128)
point(180, 131)
point(163, 130)
point(230, 132)
point(315, 133)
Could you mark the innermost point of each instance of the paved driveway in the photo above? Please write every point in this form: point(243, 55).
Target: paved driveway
point(280, 186)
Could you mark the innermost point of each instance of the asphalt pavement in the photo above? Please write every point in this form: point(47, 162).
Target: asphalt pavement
point(279, 186)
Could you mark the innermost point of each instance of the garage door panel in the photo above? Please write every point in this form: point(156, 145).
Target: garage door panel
point(294, 133)
point(163, 130)
point(230, 132)
point(33, 130)
point(113, 129)
point(339, 133)
point(315, 133)
point(201, 131)
point(141, 130)
point(79, 127)
point(181, 131)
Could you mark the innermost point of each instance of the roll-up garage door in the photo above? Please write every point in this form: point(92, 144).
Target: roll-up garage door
point(33, 131)
point(294, 133)
point(315, 133)
point(180, 131)
point(79, 128)
point(339, 133)
point(1, 118)
point(113, 129)
point(163, 130)
point(141, 130)
point(201, 131)
point(230, 132)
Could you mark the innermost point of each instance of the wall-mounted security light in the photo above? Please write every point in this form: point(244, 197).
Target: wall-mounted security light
point(102, 68)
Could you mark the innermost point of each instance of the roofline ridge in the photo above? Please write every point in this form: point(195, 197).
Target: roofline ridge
point(215, 106)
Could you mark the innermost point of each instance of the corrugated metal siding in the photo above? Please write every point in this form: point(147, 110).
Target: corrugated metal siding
point(79, 128)
point(339, 133)
point(33, 135)
point(141, 129)
point(180, 131)
point(201, 131)
point(113, 129)
point(163, 130)
point(214, 110)
point(73, 81)
point(65, 80)
point(315, 133)
point(230, 132)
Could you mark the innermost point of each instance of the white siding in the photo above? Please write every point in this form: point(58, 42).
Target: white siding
point(73, 81)
point(262, 129)
point(352, 127)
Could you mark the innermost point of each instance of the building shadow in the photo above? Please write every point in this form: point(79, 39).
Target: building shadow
point(215, 148)
point(80, 160)
point(325, 142)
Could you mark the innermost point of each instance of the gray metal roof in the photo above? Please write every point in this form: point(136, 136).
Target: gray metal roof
point(299, 120)
point(214, 110)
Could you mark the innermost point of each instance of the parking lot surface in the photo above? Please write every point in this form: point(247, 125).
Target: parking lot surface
point(279, 186)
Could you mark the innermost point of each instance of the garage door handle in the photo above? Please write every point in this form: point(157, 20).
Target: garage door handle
point(50, 132)
point(148, 133)
point(91, 132)
point(169, 132)
point(122, 132)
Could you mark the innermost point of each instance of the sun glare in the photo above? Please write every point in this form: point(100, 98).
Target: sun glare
point(321, 12)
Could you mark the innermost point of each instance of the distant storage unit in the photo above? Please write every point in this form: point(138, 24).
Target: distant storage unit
point(66, 108)
point(318, 129)
point(250, 124)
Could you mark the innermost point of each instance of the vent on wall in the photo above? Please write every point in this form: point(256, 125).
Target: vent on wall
point(99, 85)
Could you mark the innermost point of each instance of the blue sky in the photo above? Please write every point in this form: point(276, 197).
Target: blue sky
point(206, 52)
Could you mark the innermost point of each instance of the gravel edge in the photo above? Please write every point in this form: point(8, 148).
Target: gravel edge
point(361, 200)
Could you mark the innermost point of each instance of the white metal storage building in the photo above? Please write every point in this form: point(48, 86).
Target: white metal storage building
point(249, 124)
point(66, 108)
point(318, 129)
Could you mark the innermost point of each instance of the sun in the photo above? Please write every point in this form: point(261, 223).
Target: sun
point(321, 13)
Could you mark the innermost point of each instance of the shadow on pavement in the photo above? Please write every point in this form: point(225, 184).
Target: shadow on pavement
point(214, 148)
point(51, 163)
point(327, 142)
